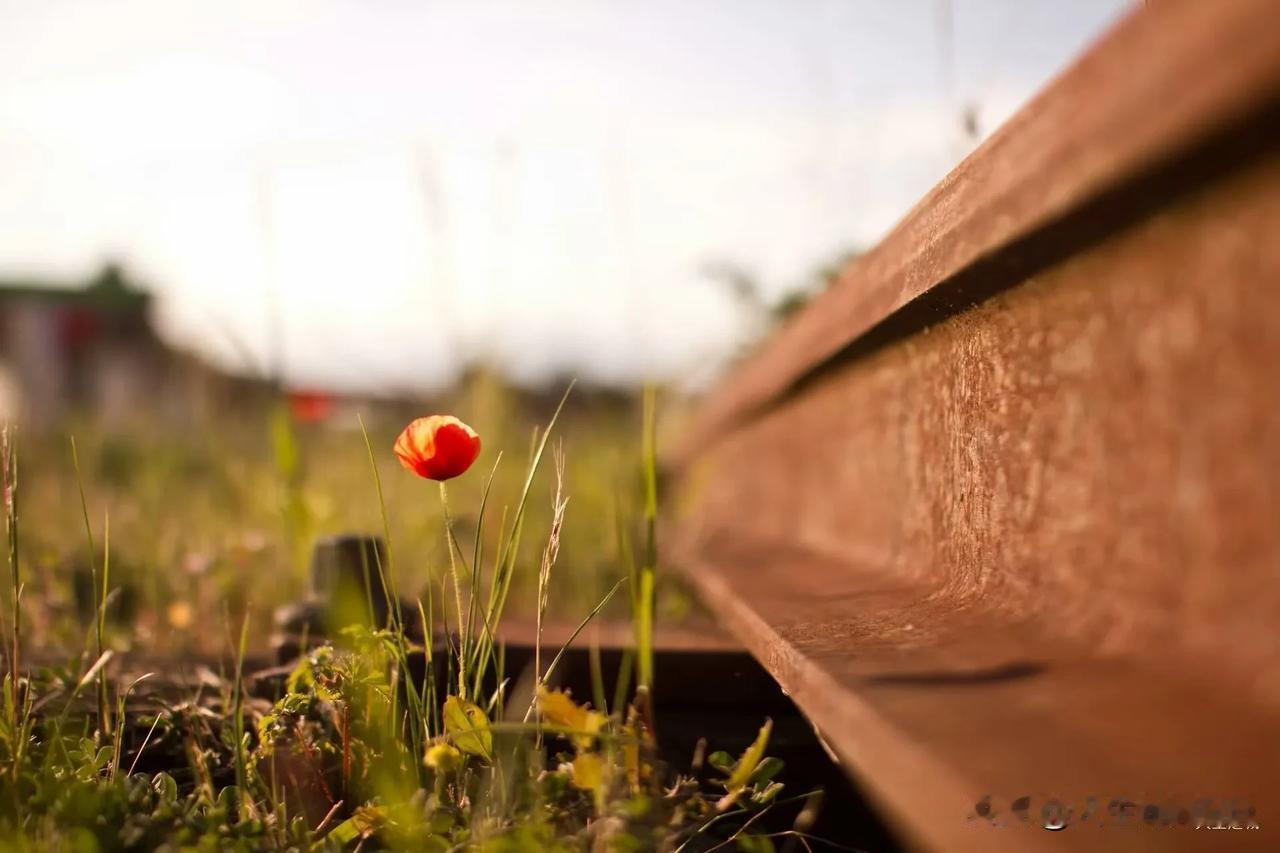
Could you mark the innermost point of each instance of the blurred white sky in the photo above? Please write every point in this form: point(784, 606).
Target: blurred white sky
point(542, 184)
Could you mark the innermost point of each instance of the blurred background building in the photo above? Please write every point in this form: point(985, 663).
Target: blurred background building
point(92, 348)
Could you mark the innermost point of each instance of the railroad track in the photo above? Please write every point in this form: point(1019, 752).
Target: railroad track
point(1001, 509)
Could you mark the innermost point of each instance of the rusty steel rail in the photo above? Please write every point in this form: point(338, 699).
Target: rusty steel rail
point(1001, 510)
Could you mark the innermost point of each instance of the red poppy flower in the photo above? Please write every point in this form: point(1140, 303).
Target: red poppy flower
point(439, 447)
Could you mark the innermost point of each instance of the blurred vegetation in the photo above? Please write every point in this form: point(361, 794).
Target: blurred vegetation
point(203, 529)
point(766, 313)
point(210, 518)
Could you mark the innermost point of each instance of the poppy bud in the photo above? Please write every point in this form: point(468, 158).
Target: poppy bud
point(438, 447)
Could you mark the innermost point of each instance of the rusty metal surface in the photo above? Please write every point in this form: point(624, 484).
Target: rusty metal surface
point(1164, 77)
point(1076, 485)
point(1098, 449)
point(1036, 547)
point(932, 707)
point(1027, 540)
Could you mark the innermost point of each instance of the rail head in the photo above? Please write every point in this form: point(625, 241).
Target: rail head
point(1166, 78)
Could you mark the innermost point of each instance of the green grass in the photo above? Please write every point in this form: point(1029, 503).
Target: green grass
point(347, 751)
point(221, 514)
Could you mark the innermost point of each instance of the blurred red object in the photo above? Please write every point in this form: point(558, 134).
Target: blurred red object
point(310, 406)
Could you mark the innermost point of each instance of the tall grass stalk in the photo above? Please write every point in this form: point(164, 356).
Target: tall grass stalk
point(600, 605)
point(288, 458)
point(463, 612)
point(384, 572)
point(419, 731)
point(549, 554)
point(508, 551)
point(99, 596)
point(644, 592)
point(9, 463)
point(428, 695)
point(627, 560)
point(237, 705)
point(596, 668)
point(477, 555)
point(100, 615)
point(122, 699)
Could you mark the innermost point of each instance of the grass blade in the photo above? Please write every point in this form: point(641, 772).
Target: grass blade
point(576, 631)
point(104, 713)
